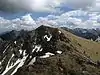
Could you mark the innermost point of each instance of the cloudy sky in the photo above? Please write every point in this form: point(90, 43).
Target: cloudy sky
point(29, 14)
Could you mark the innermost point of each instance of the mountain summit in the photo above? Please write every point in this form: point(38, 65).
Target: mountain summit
point(45, 51)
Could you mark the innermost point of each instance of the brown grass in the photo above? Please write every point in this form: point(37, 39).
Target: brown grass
point(90, 48)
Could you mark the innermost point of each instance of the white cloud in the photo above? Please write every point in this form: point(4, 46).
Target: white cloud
point(68, 19)
point(73, 19)
point(25, 22)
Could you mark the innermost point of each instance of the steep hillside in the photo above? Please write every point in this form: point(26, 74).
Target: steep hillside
point(90, 48)
point(48, 51)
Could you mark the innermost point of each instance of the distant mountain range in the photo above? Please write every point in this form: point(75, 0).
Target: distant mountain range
point(91, 34)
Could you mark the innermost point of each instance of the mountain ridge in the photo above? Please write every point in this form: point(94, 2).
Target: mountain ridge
point(46, 51)
point(91, 34)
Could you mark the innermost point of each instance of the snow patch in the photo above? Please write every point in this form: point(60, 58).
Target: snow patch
point(32, 61)
point(41, 50)
point(98, 39)
point(8, 67)
point(15, 42)
point(0, 62)
point(30, 56)
point(59, 52)
point(59, 32)
point(24, 53)
point(21, 44)
point(20, 51)
point(47, 55)
point(5, 49)
point(37, 48)
point(84, 31)
point(0, 65)
point(21, 63)
point(3, 59)
point(48, 38)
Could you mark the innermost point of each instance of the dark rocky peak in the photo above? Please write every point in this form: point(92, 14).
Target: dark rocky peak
point(12, 35)
point(48, 33)
point(9, 35)
point(24, 47)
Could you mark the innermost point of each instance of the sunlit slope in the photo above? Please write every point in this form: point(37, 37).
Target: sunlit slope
point(87, 47)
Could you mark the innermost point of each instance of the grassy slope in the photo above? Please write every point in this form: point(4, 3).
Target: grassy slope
point(90, 48)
